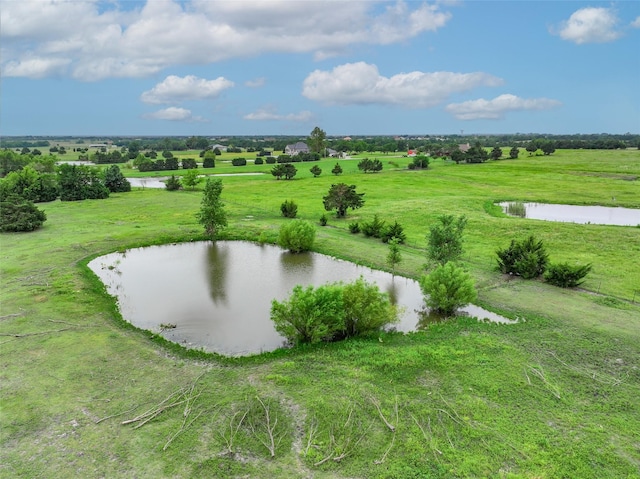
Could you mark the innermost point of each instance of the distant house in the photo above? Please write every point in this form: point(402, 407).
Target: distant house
point(411, 153)
point(219, 147)
point(296, 148)
point(464, 147)
point(333, 153)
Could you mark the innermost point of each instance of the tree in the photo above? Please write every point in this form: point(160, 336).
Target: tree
point(297, 236)
point(393, 257)
point(527, 258)
point(341, 197)
point(80, 182)
point(366, 308)
point(445, 239)
point(289, 171)
point(19, 215)
point(310, 315)
point(513, 153)
point(337, 170)
point(367, 165)
point(115, 180)
point(448, 288)
point(317, 141)
point(548, 147)
point(190, 179)
point(278, 171)
point(566, 275)
point(29, 184)
point(496, 153)
point(419, 162)
point(212, 214)
point(173, 183)
point(532, 147)
point(315, 171)
point(289, 209)
point(457, 155)
point(209, 159)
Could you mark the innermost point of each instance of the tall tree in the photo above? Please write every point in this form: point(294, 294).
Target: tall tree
point(341, 197)
point(513, 153)
point(445, 239)
point(212, 214)
point(496, 153)
point(317, 141)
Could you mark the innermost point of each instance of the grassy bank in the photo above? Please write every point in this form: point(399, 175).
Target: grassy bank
point(554, 396)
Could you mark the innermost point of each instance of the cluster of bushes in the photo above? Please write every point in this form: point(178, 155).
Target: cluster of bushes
point(100, 157)
point(332, 312)
point(419, 162)
point(284, 170)
point(378, 228)
point(368, 165)
point(528, 259)
point(239, 162)
point(300, 157)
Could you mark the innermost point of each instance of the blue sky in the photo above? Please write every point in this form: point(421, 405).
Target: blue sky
point(243, 67)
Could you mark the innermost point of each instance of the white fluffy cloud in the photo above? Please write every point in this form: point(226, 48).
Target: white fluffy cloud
point(173, 114)
point(636, 22)
point(590, 25)
point(96, 40)
point(361, 83)
point(496, 109)
point(176, 89)
point(266, 114)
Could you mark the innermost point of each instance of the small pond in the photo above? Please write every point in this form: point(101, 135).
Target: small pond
point(597, 215)
point(218, 295)
point(159, 181)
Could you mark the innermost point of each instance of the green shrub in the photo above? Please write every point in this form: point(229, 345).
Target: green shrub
point(18, 214)
point(315, 171)
point(270, 160)
point(323, 220)
point(527, 258)
point(297, 236)
point(373, 228)
point(239, 162)
point(333, 311)
point(366, 308)
point(445, 239)
point(310, 315)
point(258, 161)
point(447, 289)
point(189, 164)
point(115, 180)
point(394, 232)
point(173, 183)
point(354, 227)
point(565, 275)
point(209, 160)
point(289, 209)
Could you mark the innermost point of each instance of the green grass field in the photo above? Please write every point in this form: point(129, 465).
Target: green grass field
point(553, 396)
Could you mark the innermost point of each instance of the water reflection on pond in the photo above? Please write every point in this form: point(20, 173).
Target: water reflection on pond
point(599, 215)
point(218, 295)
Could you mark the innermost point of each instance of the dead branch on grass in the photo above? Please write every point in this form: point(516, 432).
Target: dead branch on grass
point(541, 374)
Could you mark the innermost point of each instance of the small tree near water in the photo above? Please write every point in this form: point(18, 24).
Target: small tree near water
point(297, 236)
point(448, 288)
point(212, 214)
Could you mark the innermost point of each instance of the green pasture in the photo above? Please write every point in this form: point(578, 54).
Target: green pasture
point(555, 395)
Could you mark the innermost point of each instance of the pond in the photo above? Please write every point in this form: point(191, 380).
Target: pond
point(217, 296)
point(159, 181)
point(597, 215)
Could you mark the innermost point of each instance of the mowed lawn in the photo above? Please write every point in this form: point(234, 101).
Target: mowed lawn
point(553, 396)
